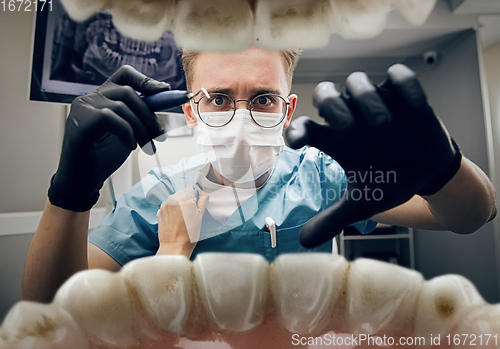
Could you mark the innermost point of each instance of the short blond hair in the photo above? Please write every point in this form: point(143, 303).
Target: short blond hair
point(290, 59)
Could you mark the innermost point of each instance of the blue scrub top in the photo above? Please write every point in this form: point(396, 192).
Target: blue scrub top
point(303, 183)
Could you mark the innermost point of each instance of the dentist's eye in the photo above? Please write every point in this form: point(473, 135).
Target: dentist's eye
point(216, 102)
point(264, 100)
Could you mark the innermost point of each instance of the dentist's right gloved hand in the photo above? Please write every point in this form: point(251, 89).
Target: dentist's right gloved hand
point(102, 129)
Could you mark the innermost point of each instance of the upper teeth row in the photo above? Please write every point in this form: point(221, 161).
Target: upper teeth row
point(168, 296)
point(233, 25)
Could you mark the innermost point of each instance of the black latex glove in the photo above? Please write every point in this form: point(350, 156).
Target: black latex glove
point(102, 129)
point(387, 139)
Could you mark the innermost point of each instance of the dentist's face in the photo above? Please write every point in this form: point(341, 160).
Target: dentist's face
point(241, 75)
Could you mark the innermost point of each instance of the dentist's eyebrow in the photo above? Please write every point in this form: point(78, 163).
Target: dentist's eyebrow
point(226, 91)
point(253, 93)
point(262, 91)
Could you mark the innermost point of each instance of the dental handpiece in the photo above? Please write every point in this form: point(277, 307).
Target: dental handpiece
point(167, 99)
point(170, 99)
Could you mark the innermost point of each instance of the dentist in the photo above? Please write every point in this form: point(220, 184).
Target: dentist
point(244, 157)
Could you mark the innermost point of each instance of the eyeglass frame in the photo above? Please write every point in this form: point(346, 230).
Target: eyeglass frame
point(285, 114)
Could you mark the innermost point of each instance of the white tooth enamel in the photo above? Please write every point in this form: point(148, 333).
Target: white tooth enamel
point(311, 293)
point(415, 11)
point(99, 302)
point(81, 10)
point(228, 25)
point(292, 23)
point(360, 19)
point(305, 290)
point(216, 25)
point(443, 302)
point(146, 21)
point(41, 326)
point(381, 297)
point(163, 286)
point(232, 289)
point(478, 329)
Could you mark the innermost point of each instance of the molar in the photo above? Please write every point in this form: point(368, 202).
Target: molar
point(359, 19)
point(481, 326)
point(292, 23)
point(41, 326)
point(216, 25)
point(146, 21)
point(381, 297)
point(443, 302)
point(99, 303)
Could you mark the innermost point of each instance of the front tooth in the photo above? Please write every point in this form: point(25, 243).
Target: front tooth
point(40, 326)
point(292, 23)
point(381, 296)
point(305, 290)
point(99, 302)
point(232, 289)
point(216, 25)
point(443, 301)
point(163, 286)
point(481, 328)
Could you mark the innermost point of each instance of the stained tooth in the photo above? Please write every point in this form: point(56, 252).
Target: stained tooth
point(481, 328)
point(292, 23)
point(443, 302)
point(232, 289)
point(381, 296)
point(99, 302)
point(163, 287)
point(40, 326)
point(305, 290)
point(216, 25)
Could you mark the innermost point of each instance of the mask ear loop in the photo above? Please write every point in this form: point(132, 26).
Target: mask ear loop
point(191, 98)
point(202, 90)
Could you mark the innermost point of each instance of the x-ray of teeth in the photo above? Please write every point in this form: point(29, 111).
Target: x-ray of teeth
point(89, 52)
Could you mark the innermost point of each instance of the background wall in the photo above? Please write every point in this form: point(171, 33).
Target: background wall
point(30, 139)
point(491, 58)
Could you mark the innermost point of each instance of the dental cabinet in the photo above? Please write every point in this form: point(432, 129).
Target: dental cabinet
point(387, 243)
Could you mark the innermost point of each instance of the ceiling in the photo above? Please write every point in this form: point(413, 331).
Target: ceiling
point(448, 21)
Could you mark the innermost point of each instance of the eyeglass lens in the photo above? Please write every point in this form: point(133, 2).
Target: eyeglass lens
point(267, 110)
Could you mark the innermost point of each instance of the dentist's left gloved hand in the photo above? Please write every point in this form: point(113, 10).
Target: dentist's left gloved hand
point(388, 140)
point(102, 129)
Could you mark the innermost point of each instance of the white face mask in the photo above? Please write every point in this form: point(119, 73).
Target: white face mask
point(241, 151)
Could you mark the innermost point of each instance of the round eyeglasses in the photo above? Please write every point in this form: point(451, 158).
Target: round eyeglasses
point(218, 109)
